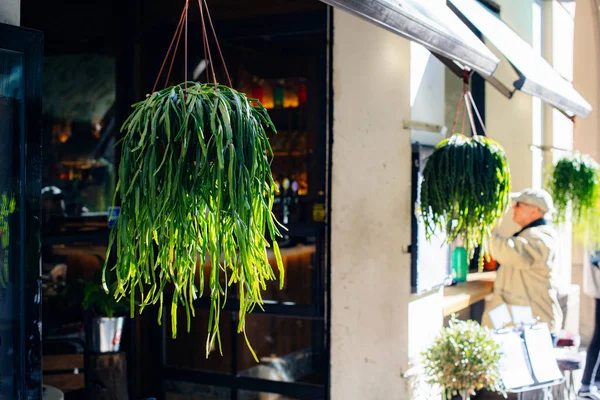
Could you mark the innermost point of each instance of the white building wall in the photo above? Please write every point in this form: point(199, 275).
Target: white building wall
point(10, 12)
point(586, 78)
point(380, 80)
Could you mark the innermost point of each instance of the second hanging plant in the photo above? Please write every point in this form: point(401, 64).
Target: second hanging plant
point(465, 189)
point(575, 181)
point(466, 183)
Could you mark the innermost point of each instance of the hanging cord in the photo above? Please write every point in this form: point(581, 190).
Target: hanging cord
point(182, 29)
point(458, 113)
point(208, 63)
point(185, 50)
point(175, 36)
point(206, 44)
point(478, 115)
point(470, 114)
point(466, 90)
point(464, 109)
point(217, 42)
point(176, 46)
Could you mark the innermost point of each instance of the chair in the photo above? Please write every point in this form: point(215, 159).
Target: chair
point(63, 364)
point(569, 360)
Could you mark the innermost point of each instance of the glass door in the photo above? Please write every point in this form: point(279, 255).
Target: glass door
point(20, 157)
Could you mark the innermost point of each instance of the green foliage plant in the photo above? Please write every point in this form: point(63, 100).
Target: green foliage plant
point(575, 182)
point(7, 207)
point(463, 358)
point(465, 190)
point(195, 184)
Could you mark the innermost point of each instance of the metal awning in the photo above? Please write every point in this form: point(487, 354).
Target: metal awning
point(434, 26)
point(536, 76)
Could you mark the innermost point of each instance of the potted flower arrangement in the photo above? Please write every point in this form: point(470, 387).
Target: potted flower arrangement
point(463, 358)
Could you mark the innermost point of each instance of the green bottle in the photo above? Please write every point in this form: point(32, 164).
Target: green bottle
point(460, 264)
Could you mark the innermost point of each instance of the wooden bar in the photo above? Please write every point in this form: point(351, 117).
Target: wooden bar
point(62, 362)
point(465, 294)
point(65, 382)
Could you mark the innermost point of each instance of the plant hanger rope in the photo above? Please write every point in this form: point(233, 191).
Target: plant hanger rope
point(182, 27)
point(216, 41)
point(465, 103)
point(176, 35)
point(466, 182)
point(195, 185)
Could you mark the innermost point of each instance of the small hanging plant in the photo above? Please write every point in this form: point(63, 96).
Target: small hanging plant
point(195, 185)
point(466, 183)
point(575, 181)
point(465, 189)
point(463, 358)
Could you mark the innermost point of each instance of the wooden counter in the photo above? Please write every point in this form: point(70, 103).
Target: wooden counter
point(463, 295)
point(87, 250)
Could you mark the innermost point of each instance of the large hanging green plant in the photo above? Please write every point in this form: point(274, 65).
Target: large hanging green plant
point(575, 181)
point(465, 189)
point(7, 207)
point(195, 181)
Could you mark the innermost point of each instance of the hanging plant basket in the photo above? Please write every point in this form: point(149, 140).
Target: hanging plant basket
point(195, 185)
point(466, 185)
point(195, 180)
point(465, 189)
point(575, 182)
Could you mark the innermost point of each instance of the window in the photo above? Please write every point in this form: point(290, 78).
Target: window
point(79, 129)
point(287, 70)
point(430, 259)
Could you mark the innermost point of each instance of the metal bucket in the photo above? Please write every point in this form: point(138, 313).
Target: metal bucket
point(106, 334)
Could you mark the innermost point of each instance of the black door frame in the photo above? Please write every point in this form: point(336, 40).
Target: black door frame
point(318, 311)
point(28, 332)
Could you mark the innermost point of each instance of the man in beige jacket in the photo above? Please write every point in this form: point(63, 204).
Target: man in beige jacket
point(527, 272)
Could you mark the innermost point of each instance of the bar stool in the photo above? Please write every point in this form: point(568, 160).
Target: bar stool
point(568, 363)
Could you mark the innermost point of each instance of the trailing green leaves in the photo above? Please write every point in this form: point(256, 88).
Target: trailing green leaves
point(575, 182)
point(195, 184)
point(465, 189)
point(7, 207)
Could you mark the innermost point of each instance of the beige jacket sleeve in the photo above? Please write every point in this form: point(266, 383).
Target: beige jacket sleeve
point(527, 275)
point(521, 251)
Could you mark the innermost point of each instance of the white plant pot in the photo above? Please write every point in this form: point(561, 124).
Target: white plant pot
point(106, 334)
